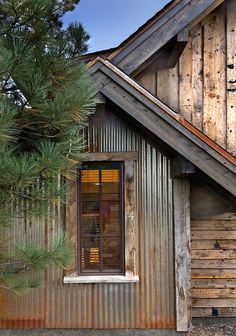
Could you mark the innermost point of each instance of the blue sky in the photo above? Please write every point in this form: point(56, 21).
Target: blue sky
point(109, 22)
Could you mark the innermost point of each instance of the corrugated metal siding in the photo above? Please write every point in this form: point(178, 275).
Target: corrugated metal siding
point(27, 309)
point(148, 304)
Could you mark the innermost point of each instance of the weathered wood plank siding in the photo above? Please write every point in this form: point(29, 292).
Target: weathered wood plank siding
point(202, 86)
point(214, 94)
point(231, 77)
point(181, 193)
point(213, 256)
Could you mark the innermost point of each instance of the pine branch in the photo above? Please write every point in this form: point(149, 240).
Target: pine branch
point(44, 103)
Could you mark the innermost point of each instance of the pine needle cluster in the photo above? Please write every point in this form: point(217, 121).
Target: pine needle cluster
point(45, 101)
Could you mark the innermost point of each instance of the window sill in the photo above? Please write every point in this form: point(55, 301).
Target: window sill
point(100, 279)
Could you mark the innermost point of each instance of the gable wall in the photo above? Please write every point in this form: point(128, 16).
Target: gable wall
point(202, 86)
point(148, 304)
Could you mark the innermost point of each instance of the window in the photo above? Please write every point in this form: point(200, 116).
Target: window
point(100, 218)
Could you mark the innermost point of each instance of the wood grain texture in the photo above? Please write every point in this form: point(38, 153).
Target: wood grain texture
point(72, 225)
point(147, 78)
point(110, 156)
point(167, 87)
point(207, 244)
point(197, 80)
point(212, 293)
point(185, 83)
point(214, 95)
point(213, 273)
point(214, 303)
point(217, 283)
point(214, 235)
point(214, 312)
point(206, 83)
point(231, 77)
point(215, 264)
point(211, 254)
point(130, 220)
point(214, 224)
point(182, 253)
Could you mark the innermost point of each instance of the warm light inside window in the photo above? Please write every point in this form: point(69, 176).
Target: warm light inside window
point(100, 223)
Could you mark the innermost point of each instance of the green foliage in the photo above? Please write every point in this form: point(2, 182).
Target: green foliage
point(40, 23)
point(25, 259)
point(8, 129)
point(74, 39)
point(45, 101)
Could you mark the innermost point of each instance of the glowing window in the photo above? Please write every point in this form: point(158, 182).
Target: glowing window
point(101, 238)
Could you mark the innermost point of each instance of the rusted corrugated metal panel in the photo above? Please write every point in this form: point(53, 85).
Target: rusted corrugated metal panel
point(147, 304)
point(156, 239)
point(25, 311)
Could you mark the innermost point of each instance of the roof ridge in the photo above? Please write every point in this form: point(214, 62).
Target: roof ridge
point(144, 27)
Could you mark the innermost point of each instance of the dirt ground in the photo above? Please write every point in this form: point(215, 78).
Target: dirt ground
point(220, 330)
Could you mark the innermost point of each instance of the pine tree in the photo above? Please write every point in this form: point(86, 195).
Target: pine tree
point(44, 103)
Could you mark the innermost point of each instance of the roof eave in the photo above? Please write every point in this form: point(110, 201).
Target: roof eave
point(146, 42)
point(156, 116)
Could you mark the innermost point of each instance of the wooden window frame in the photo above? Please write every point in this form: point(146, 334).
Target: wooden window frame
point(99, 165)
point(130, 240)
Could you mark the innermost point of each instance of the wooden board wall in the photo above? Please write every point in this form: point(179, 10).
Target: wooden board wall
point(213, 252)
point(202, 86)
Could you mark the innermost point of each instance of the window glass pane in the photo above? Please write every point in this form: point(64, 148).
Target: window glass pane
point(90, 224)
point(110, 216)
point(90, 254)
point(110, 175)
point(90, 210)
point(90, 185)
point(111, 257)
point(90, 176)
point(110, 184)
point(89, 205)
point(101, 219)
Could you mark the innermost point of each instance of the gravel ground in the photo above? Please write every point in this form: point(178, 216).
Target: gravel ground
point(223, 330)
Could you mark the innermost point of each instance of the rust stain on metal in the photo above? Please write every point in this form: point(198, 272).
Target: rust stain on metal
point(24, 323)
point(208, 141)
